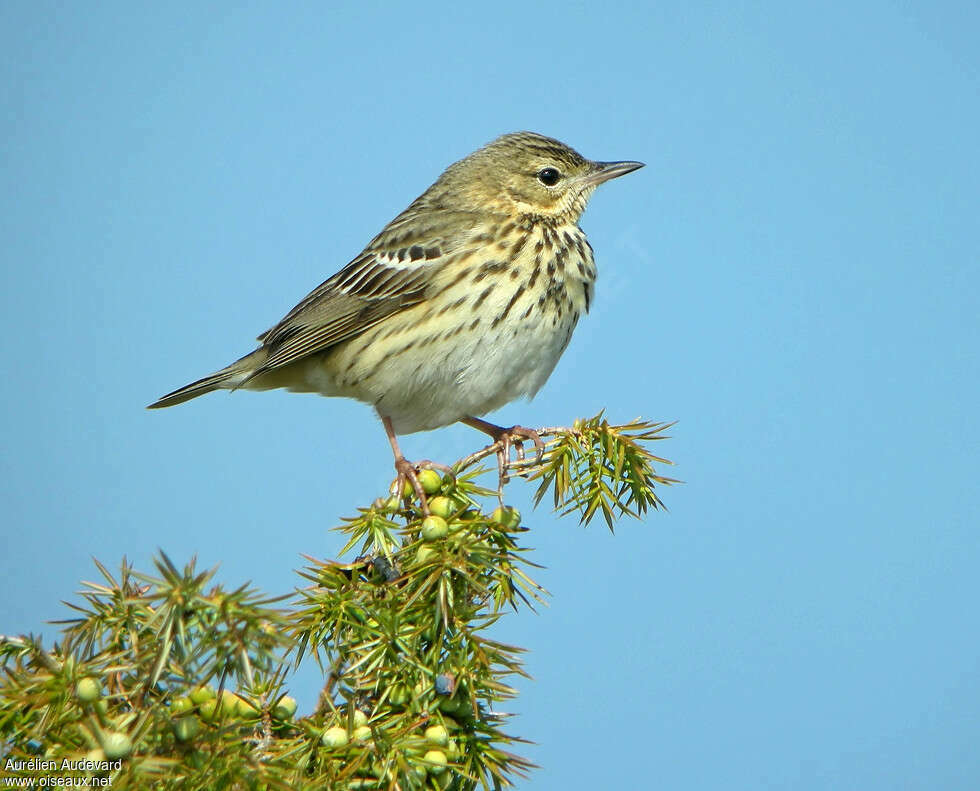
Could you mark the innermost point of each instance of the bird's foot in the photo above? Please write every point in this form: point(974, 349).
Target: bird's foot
point(515, 436)
point(504, 439)
point(409, 471)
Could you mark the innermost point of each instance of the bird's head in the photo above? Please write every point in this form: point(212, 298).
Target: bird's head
point(530, 176)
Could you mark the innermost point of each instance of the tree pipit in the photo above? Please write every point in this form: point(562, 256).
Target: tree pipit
point(463, 303)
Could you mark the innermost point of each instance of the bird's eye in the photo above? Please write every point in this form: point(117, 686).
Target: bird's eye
point(548, 176)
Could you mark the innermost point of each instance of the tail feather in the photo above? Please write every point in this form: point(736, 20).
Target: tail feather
point(227, 378)
point(193, 390)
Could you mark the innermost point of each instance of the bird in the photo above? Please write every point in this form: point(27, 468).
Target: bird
point(461, 304)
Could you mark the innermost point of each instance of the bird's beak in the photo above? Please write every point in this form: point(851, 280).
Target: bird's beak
point(603, 171)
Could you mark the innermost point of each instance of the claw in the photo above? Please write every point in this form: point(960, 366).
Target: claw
point(504, 438)
point(435, 465)
point(408, 472)
point(527, 433)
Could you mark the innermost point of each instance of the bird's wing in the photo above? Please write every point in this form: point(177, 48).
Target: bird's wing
point(382, 281)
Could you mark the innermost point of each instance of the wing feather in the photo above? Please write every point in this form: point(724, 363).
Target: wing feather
point(369, 289)
point(395, 272)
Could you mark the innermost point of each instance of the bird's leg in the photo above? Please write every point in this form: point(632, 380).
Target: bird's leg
point(505, 437)
point(405, 469)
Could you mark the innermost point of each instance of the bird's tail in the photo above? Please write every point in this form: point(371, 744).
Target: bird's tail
point(227, 378)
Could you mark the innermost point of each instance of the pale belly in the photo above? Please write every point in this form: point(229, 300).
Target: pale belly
point(467, 365)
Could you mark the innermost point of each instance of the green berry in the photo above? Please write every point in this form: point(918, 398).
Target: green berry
point(430, 481)
point(425, 554)
point(507, 517)
point(244, 708)
point(361, 733)
point(334, 737)
point(202, 694)
point(209, 710)
point(441, 506)
point(116, 745)
point(434, 528)
point(186, 728)
point(437, 761)
point(88, 690)
point(449, 705)
point(399, 695)
point(406, 491)
point(180, 706)
point(285, 708)
point(227, 703)
point(437, 734)
point(360, 718)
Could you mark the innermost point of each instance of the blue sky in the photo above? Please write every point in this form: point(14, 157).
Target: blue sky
point(793, 278)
